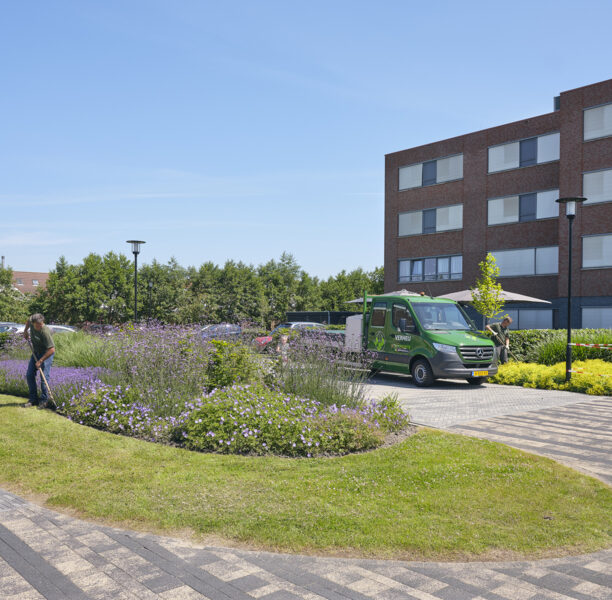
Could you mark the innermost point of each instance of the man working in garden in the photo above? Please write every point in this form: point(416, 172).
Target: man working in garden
point(501, 338)
point(42, 358)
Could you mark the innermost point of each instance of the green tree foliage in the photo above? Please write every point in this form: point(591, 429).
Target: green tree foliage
point(101, 289)
point(338, 290)
point(13, 304)
point(486, 294)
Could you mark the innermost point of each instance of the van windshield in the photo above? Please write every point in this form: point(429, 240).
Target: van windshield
point(433, 315)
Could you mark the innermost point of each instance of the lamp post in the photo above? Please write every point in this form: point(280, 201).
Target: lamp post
point(135, 252)
point(150, 290)
point(570, 213)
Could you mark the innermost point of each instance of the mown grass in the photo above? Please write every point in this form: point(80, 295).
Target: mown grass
point(433, 496)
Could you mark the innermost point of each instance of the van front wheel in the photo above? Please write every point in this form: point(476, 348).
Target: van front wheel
point(422, 375)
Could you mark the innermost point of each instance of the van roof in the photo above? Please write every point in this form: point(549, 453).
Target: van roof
point(415, 299)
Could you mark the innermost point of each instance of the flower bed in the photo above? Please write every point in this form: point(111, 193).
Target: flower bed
point(257, 420)
point(64, 382)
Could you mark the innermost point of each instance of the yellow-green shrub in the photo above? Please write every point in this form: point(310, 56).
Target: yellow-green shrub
point(533, 375)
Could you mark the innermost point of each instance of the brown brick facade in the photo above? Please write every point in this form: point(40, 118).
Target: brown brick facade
point(477, 186)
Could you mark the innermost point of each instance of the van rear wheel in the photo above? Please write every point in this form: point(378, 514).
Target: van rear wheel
point(422, 374)
point(476, 380)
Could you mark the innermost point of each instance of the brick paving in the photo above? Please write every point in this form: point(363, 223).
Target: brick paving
point(48, 555)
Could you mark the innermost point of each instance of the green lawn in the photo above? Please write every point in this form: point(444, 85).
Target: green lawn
point(433, 496)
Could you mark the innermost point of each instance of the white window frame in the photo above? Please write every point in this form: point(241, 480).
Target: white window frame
point(533, 259)
point(605, 236)
point(448, 275)
point(517, 164)
point(606, 308)
point(606, 179)
point(418, 167)
point(606, 112)
point(420, 212)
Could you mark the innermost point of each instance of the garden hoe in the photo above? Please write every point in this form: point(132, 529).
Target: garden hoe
point(508, 349)
point(42, 375)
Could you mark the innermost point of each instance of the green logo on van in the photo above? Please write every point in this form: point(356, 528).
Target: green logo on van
point(379, 340)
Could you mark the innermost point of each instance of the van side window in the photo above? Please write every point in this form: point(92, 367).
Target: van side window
point(400, 311)
point(379, 313)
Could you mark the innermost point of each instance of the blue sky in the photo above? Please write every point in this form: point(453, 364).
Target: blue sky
point(241, 130)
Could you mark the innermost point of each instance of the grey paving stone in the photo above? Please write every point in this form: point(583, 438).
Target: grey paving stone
point(281, 595)
point(248, 583)
point(161, 583)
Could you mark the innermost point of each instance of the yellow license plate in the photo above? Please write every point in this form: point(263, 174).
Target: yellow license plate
point(480, 373)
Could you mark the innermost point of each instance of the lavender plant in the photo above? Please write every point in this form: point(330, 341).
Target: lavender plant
point(316, 365)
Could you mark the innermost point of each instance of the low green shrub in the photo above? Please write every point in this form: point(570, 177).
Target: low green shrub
point(230, 363)
point(548, 346)
point(595, 379)
point(257, 420)
point(4, 337)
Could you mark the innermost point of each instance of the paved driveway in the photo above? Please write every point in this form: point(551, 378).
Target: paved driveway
point(47, 555)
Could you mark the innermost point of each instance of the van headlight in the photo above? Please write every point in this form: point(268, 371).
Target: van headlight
point(444, 348)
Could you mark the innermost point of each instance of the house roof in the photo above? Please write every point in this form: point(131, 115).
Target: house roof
point(29, 282)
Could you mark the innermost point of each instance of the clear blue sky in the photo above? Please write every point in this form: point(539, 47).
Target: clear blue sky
point(239, 130)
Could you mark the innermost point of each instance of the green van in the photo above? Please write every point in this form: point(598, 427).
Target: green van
point(426, 337)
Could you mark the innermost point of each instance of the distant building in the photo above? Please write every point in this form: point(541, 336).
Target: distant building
point(450, 202)
point(28, 282)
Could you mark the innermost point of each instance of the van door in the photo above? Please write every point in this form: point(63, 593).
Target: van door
point(376, 328)
point(400, 342)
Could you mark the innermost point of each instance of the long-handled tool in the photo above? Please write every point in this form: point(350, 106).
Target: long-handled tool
point(42, 375)
point(504, 345)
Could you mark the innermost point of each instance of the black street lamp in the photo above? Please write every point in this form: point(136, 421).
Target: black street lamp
point(136, 252)
point(570, 213)
point(150, 290)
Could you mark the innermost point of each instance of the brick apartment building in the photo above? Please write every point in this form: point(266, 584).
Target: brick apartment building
point(450, 202)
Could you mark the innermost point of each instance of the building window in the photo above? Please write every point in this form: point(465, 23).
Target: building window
point(19, 281)
point(524, 153)
point(597, 186)
point(523, 207)
point(431, 220)
point(34, 281)
point(527, 261)
point(597, 317)
point(597, 122)
point(431, 172)
point(528, 318)
point(431, 268)
point(597, 251)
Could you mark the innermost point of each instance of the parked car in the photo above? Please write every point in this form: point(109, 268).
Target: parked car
point(6, 327)
point(62, 328)
point(262, 343)
point(221, 331)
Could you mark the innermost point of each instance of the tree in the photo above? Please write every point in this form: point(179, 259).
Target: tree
point(486, 294)
point(13, 304)
point(281, 281)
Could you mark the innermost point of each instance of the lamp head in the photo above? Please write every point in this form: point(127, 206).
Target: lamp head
point(135, 245)
point(570, 205)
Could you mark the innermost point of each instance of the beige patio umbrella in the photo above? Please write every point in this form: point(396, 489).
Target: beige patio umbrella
point(466, 296)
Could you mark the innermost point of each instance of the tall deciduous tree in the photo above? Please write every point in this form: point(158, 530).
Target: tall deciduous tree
point(13, 304)
point(486, 294)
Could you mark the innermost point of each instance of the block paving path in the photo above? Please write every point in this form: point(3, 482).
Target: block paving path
point(47, 555)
